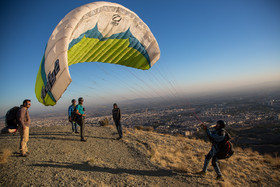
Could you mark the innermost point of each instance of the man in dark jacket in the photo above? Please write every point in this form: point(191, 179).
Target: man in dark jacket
point(216, 137)
point(116, 112)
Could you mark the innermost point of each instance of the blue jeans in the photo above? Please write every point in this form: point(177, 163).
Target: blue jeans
point(212, 154)
point(74, 126)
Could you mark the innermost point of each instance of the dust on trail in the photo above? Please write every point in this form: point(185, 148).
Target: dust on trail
point(58, 158)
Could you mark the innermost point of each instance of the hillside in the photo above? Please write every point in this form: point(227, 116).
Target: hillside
point(141, 158)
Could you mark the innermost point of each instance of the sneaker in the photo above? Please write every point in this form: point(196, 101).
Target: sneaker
point(83, 140)
point(220, 177)
point(76, 132)
point(203, 173)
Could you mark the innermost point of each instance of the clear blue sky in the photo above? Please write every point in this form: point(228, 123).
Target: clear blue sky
point(204, 45)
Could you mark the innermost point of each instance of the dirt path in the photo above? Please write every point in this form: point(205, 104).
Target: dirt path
point(58, 158)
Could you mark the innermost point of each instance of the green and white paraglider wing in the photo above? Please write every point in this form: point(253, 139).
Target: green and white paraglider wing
point(96, 32)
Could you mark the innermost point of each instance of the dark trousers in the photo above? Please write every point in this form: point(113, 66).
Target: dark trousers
point(119, 128)
point(81, 122)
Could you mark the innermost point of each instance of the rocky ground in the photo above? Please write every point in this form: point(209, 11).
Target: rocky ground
point(58, 158)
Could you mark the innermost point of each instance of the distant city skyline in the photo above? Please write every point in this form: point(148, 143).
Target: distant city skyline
point(205, 46)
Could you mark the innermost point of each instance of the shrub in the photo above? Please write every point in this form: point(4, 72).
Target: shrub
point(138, 127)
point(179, 135)
point(91, 160)
point(143, 128)
point(5, 155)
point(104, 122)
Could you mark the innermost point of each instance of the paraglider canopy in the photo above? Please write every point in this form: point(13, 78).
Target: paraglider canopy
point(96, 32)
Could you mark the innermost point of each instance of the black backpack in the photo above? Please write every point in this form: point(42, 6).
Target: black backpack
point(11, 117)
point(226, 147)
point(74, 116)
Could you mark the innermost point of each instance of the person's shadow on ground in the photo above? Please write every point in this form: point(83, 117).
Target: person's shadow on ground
point(87, 167)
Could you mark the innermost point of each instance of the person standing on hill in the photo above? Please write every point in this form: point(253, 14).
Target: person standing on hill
point(71, 116)
point(80, 112)
point(116, 112)
point(24, 123)
point(216, 137)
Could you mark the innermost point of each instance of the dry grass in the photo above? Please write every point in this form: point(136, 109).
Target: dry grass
point(6, 153)
point(250, 151)
point(274, 161)
point(179, 157)
point(111, 126)
point(275, 176)
point(125, 131)
point(182, 154)
point(238, 149)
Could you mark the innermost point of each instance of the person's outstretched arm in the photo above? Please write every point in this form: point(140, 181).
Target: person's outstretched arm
point(216, 136)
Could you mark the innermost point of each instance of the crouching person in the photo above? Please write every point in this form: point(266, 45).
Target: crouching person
point(23, 119)
point(217, 137)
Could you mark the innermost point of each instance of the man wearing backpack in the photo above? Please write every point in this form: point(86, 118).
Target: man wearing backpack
point(71, 116)
point(217, 137)
point(23, 119)
point(80, 112)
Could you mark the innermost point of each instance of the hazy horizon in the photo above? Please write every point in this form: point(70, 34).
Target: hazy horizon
point(61, 108)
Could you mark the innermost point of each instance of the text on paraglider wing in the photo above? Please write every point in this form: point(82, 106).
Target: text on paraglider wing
point(116, 19)
point(50, 80)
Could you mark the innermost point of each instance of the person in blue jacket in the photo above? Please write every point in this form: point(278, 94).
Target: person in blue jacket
point(71, 116)
point(216, 136)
